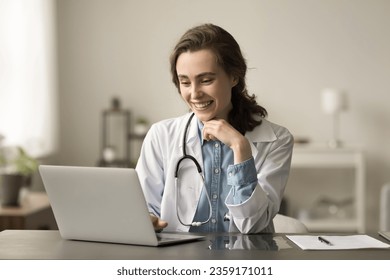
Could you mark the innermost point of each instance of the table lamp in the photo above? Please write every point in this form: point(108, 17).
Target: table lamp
point(334, 101)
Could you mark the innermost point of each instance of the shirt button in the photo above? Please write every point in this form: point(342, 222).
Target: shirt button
point(213, 221)
point(216, 145)
point(216, 170)
point(230, 174)
point(215, 196)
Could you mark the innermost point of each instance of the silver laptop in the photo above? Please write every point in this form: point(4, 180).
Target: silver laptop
point(102, 204)
point(385, 234)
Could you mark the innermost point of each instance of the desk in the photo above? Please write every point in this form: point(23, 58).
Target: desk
point(34, 212)
point(45, 245)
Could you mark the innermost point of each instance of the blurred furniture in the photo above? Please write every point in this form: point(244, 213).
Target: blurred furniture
point(115, 150)
point(117, 137)
point(333, 102)
point(384, 212)
point(285, 224)
point(309, 158)
point(34, 212)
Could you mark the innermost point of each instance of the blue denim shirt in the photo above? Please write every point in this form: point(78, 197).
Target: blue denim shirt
point(220, 176)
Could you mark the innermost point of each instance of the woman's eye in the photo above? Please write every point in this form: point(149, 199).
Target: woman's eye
point(185, 83)
point(207, 81)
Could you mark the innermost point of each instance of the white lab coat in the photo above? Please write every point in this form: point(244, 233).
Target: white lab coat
point(162, 148)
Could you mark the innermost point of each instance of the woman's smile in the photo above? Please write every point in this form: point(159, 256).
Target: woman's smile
point(202, 105)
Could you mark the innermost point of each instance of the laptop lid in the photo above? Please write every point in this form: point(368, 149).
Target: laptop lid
point(385, 234)
point(101, 204)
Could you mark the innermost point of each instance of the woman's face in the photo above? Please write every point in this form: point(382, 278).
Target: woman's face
point(204, 85)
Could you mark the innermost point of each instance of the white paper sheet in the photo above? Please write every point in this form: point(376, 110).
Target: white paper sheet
point(345, 242)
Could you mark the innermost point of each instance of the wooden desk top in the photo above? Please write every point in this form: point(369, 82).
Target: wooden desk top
point(30, 203)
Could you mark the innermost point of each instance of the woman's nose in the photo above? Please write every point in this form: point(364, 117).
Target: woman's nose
point(195, 91)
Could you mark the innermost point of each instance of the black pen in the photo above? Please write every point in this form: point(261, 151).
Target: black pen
point(327, 242)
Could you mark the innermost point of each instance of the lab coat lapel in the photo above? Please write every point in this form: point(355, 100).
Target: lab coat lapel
point(262, 133)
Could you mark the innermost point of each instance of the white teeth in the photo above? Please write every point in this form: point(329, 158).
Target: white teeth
point(202, 105)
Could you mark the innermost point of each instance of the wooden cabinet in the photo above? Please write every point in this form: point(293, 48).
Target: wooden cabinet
point(34, 212)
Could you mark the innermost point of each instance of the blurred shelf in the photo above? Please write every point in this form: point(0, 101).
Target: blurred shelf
point(332, 225)
point(319, 157)
point(117, 137)
point(134, 136)
point(312, 156)
point(116, 163)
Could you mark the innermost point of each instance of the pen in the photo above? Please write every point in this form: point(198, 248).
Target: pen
point(327, 242)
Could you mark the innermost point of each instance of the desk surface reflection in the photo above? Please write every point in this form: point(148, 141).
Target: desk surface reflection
point(42, 245)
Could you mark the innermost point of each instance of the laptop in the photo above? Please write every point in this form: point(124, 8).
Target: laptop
point(385, 234)
point(102, 204)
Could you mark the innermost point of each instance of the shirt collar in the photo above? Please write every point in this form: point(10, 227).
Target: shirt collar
point(200, 129)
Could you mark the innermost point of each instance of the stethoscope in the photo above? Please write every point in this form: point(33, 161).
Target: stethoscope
point(191, 158)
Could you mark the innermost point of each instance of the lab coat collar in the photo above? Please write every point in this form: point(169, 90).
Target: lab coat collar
point(192, 134)
point(261, 133)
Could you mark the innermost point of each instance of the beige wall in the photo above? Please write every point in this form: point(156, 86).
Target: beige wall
point(294, 48)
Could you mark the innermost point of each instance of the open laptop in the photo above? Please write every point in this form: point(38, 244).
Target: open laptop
point(102, 204)
point(385, 234)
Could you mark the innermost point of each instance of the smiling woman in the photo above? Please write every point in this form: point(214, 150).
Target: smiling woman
point(243, 159)
point(28, 79)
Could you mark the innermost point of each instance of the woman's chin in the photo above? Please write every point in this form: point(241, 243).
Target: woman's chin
point(203, 117)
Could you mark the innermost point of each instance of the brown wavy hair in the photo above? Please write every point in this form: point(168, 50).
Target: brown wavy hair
point(228, 54)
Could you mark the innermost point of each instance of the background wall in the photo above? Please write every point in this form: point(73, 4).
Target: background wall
point(294, 49)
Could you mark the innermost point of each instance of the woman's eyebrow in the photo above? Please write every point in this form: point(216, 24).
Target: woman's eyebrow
point(180, 76)
point(206, 74)
point(201, 75)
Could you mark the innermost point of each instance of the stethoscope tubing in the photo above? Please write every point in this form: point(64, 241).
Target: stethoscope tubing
point(199, 168)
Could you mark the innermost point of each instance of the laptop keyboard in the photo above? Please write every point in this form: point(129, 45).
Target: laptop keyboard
point(166, 237)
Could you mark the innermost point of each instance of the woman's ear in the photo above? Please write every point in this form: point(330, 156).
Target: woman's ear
point(234, 81)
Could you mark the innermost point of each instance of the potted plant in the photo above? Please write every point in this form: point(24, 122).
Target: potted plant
point(16, 170)
point(141, 126)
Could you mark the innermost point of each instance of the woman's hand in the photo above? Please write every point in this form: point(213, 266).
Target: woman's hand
point(221, 130)
point(158, 224)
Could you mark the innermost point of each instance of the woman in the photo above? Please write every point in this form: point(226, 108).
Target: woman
point(244, 158)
